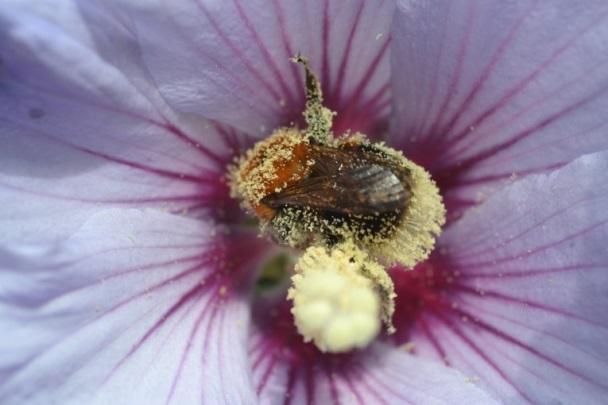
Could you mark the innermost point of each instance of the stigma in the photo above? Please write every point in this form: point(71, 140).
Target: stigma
point(350, 204)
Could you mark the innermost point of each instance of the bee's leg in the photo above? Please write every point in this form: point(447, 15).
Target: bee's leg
point(317, 117)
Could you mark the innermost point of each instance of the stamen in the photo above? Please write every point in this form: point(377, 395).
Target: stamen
point(335, 303)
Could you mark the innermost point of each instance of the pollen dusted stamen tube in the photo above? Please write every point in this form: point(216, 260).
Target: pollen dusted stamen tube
point(334, 303)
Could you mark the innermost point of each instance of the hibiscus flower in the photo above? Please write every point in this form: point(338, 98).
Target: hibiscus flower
point(129, 275)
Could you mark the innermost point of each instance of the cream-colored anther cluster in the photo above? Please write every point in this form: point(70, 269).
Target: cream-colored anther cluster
point(334, 304)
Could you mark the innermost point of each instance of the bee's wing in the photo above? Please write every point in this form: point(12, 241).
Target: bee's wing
point(367, 189)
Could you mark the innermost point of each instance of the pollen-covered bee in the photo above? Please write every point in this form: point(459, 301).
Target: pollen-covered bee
point(309, 188)
point(304, 189)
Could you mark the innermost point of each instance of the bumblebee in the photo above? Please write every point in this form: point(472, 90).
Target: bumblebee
point(309, 188)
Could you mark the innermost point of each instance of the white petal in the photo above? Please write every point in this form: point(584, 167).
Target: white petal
point(490, 90)
point(77, 133)
point(230, 60)
point(518, 294)
point(136, 307)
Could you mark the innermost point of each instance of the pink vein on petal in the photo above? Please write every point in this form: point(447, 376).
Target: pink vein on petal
point(517, 88)
point(479, 309)
point(435, 79)
point(362, 375)
point(463, 252)
point(289, 50)
point(263, 48)
point(473, 181)
point(188, 296)
point(197, 325)
point(266, 375)
point(432, 339)
point(350, 108)
point(535, 272)
point(332, 385)
point(111, 309)
point(239, 53)
point(483, 292)
point(600, 66)
point(458, 73)
point(166, 124)
point(467, 163)
point(291, 381)
point(386, 388)
point(346, 55)
point(458, 332)
point(538, 249)
point(487, 71)
point(517, 342)
point(193, 143)
point(237, 78)
point(325, 39)
point(149, 169)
